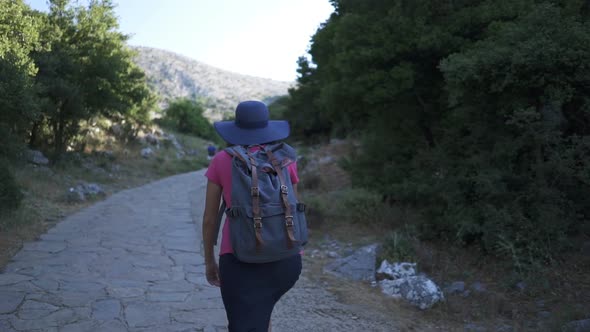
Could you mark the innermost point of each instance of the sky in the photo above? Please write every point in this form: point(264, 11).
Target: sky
point(261, 38)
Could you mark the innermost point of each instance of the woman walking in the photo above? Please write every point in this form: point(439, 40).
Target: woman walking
point(249, 290)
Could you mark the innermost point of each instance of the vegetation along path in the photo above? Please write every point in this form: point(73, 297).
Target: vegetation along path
point(133, 262)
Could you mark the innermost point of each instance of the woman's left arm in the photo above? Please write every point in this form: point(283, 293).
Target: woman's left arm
point(212, 200)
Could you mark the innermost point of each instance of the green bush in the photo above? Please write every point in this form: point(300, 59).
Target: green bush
point(10, 194)
point(187, 117)
point(359, 206)
point(398, 247)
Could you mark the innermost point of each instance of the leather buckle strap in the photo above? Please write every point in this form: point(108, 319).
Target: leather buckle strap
point(289, 221)
point(257, 222)
point(255, 191)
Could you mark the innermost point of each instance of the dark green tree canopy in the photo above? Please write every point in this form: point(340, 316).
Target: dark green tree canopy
point(475, 112)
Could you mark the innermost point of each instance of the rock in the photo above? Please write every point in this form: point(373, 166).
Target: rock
point(316, 253)
point(504, 328)
point(396, 270)
point(326, 160)
point(577, 326)
point(456, 287)
point(151, 139)
point(108, 154)
point(337, 141)
point(75, 196)
point(83, 191)
point(478, 287)
point(544, 314)
point(586, 248)
point(471, 327)
point(521, 286)
point(116, 130)
point(419, 291)
point(36, 157)
point(333, 254)
point(147, 152)
point(358, 266)
point(92, 189)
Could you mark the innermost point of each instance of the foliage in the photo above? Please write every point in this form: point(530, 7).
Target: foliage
point(86, 72)
point(186, 116)
point(359, 206)
point(19, 36)
point(474, 112)
point(398, 247)
point(10, 194)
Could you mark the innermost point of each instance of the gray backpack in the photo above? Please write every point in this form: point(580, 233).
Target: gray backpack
point(267, 223)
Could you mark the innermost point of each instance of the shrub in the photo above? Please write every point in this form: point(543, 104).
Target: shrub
point(398, 247)
point(359, 205)
point(186, 116)
point(10, 194)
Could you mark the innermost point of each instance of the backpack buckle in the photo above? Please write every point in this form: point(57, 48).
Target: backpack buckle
point(254, 191)
point(284, 189)
point(257, 222)
point(289, 221)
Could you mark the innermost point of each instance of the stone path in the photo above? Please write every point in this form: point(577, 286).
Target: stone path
point(130, 263)
point(133, 263)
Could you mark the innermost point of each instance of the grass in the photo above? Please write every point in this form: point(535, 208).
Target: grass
point(113, 166)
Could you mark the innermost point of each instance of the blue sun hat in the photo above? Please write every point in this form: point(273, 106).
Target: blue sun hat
point(252, 125)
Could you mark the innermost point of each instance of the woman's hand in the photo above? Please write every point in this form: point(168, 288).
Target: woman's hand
point(212, 273)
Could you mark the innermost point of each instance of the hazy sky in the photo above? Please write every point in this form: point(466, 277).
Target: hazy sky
point(257, 37)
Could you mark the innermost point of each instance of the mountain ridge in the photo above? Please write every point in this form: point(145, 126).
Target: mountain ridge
point(173, 75)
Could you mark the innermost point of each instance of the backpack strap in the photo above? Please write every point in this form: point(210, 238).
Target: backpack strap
point(239, 152)
point(255, 193)
point(284, 197)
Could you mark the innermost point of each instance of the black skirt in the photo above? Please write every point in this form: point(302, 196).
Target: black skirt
point(250, 291)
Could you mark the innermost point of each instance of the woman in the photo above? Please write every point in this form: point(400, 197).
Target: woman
point(249, 290)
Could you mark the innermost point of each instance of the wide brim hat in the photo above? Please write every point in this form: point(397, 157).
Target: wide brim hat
point(252, 125)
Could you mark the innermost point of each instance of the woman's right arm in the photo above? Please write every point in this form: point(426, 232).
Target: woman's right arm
point(212, 200)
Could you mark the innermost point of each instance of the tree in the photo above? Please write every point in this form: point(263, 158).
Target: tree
point(468, 110)
point(88, 72)
point(186, 116)
point(19, 36)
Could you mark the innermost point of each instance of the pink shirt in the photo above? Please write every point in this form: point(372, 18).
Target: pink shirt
point(219, 172)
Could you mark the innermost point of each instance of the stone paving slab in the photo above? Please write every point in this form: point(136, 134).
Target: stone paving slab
point(130, 263)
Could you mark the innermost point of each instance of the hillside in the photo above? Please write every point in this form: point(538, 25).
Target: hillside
point(173, 75)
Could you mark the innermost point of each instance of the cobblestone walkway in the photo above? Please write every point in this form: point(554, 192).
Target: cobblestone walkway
point(130, 263)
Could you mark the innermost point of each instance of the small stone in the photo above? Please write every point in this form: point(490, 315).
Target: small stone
point(36, 157)
point(478, 287)
point(333, 254)
point(544, 314)
point(147, 152)
point(504, 328)
point(521, 286)
point(456, 287)
point(582, 325)
point(471, 327)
